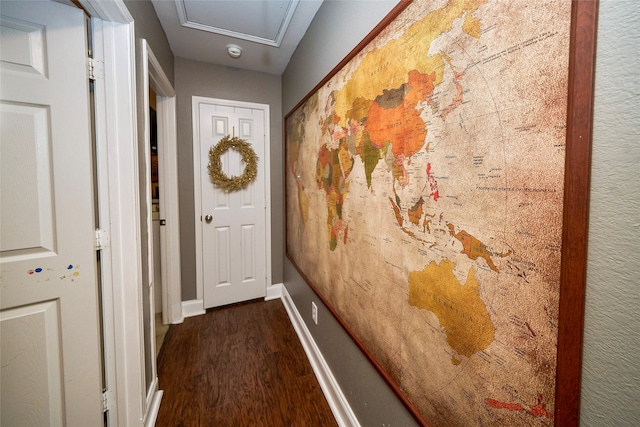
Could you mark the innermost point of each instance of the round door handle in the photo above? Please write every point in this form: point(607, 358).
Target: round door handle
point(208, 218)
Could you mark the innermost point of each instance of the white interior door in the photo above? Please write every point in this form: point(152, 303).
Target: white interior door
point(51, 370)
point(233, 225)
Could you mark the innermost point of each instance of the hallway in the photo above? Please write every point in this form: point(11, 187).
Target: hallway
point(240, 365)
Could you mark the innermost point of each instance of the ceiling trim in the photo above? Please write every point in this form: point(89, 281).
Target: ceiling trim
point(275, 42)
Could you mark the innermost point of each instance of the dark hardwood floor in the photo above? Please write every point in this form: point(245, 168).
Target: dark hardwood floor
point(237, 366)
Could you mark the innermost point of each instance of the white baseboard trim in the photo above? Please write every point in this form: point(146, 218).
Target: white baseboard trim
point(194, 307)
point(274, 292)
point(339, 405)
point(154, 408)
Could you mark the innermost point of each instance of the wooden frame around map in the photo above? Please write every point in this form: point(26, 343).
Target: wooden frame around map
point(575, 211)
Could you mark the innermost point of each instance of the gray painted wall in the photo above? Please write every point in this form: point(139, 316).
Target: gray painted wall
point(611, 366)
point(611, 372)
point(193, 78)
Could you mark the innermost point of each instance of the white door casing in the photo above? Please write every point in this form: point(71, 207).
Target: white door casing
point(50, 353)
point(119, 205)
point(156, 78)
point(233, 247)
point(153, 395)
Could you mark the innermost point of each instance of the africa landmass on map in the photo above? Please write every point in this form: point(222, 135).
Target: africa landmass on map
point(424, 191)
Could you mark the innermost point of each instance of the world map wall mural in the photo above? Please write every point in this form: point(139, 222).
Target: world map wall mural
point(424, 199)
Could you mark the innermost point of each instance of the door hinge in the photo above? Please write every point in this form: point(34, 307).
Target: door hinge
point(90, 68)
point(95, 69)
point(102, 239)
point(108, 401)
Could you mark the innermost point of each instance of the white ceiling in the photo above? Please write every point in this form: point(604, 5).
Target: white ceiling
point(268, 31)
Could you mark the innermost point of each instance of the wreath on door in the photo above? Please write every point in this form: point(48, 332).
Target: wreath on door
point(249, 157)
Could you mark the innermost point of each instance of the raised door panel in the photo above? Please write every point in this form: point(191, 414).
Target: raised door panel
point(26, 181)
point(23, 46)
point(30, 350)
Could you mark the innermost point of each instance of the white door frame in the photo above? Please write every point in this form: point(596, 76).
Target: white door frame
point(119, 205)
point(197, 306)
point(154, 76)
point(145, 199)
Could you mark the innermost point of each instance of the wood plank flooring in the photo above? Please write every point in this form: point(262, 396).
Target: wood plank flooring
point(238, 366)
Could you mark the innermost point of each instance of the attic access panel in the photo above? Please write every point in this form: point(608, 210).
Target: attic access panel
point(264, 22)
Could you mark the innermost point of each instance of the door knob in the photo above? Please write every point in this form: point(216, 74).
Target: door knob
point(208, 218)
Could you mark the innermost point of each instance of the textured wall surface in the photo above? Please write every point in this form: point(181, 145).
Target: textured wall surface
point(195, 78)
point(611, 364)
